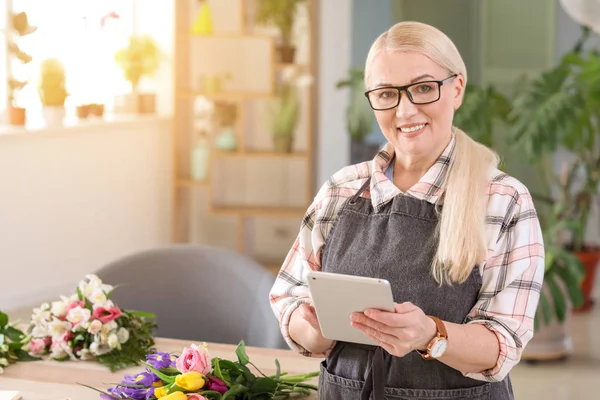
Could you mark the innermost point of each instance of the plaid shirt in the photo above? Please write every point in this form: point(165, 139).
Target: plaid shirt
point(512, 273)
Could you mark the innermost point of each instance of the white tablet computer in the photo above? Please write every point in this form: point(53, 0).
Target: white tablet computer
point(337, 296)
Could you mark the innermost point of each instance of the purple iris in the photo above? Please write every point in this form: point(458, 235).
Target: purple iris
point(159, 359)
point(217, 385)
point(144, 378)
point(150, 393)
point(135, 393)
point(115, 392)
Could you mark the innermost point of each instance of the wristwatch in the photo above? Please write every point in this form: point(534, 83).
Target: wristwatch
point(438, 345)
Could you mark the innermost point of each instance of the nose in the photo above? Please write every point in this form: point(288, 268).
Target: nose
point(405, 108)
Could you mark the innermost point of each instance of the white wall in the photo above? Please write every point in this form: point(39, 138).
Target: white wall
point(72, 199)
point(333, 141)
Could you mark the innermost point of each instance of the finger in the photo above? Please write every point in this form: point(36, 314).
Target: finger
point(378, 336)
point(308, 313)
point(390, 319)
point(364, 320)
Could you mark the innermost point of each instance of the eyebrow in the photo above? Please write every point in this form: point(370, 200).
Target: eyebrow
point(417, 79)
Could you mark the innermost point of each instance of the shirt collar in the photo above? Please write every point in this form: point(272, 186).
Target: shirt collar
point(429, 188)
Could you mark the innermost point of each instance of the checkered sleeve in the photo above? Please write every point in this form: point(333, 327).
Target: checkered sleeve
point(512, 280)
point(290, 289)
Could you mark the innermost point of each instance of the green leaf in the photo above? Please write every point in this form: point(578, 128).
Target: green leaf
point(247, 374)
point(573, 286)
point(165, 378)
point(22, 355)
point(217, 370)
point(546, 309)
point(3, 319)
point(240, 351)
point(211, 394)
point(234, 391)
point(263, 385)
point(140, 314)
point(99, 391)
point(277, 369)
point(79, 294)
point(14, 334)
point(560, 304)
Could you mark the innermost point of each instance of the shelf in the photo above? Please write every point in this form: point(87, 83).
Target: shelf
point(227, 96)
point(266, 211)
point(186, 35)
point(191, 183)
point(258, 154)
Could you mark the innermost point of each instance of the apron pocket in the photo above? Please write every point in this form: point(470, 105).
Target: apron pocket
point(482, 392)
point(333, 387)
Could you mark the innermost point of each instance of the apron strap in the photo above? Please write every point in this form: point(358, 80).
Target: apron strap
point(375, 382)
point(360, 191)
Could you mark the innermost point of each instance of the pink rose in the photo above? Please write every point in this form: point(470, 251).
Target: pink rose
point(106, 315)
point(196, 396)
point(193, 359)
point(36, 346)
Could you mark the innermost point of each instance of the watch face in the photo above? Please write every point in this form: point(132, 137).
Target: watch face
point(439, 348)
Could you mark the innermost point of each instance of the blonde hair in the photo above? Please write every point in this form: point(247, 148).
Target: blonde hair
point(461, 228)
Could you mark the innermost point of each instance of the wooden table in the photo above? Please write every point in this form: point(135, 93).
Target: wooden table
point(53, 380)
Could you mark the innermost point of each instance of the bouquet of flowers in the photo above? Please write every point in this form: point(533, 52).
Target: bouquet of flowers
point(12, 341)
point(193, 375)
point(89, 326)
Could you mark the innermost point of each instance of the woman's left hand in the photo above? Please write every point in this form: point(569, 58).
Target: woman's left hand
point(399, 332)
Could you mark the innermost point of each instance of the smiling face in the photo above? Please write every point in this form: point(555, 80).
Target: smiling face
point(415, 130)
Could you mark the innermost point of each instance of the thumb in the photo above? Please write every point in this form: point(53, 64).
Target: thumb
point(307, 312)
point(404, 308)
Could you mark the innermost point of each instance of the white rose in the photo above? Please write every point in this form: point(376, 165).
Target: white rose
point(113, 341)
point(40, 331)
point(98, 298)
point(123, 335)
point(3, 362)
point(59, 308)
point(58, 329)
point(78, 316)
point(95, 327)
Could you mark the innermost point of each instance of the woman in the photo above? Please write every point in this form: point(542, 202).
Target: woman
point(458, 240)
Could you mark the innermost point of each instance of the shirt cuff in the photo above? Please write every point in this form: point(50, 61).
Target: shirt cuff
point(285, 330)
point(509, 355)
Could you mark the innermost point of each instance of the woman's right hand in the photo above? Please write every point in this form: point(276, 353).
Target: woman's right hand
point(306, 331)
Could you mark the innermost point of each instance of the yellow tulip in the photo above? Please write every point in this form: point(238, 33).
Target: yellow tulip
point(160, 392)
point(175, 396)
point(192, 380)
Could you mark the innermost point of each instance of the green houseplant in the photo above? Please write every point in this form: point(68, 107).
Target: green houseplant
point(139, 59)
point(282, 14)
point(52, 89)
point(285, 114)
point(560, 110)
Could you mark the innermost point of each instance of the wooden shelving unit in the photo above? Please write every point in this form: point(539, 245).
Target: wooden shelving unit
point(253, 198)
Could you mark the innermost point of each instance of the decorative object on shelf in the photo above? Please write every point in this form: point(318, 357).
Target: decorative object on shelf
point(203, 126)
point(12, 341)
point(194, 375)
point(280, 13)
point(359, 117)
point(200, 158)
point(82, 111)
point(213, 84)
point(89, 110)
point(53, 91)
point(284, 112)
point(20, 28)
point(203, 24)
point(89, 326)
point(225, 119)
point(141, 58)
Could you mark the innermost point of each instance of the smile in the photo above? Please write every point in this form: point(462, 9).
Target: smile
point(412, 129)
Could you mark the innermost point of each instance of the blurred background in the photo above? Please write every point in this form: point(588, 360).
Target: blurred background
point(134, 124)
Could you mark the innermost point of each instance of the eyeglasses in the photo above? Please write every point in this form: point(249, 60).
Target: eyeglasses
point(388, 97)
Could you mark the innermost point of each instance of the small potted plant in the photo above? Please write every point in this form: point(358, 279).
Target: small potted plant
point(52, 91)
point(139, 59)
point(280, 13)
point(284, 115)
point(20, 28)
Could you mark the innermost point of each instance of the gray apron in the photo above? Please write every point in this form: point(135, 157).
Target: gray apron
point(397, 243)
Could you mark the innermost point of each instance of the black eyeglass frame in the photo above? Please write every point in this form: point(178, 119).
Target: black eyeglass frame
point(404, 88)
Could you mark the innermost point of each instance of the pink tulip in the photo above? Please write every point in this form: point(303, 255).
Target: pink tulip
point(106, 315)
point(196, 396)
point(36, 346)
point(193, 359)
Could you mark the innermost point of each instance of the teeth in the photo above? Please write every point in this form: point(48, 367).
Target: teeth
point(413, 129)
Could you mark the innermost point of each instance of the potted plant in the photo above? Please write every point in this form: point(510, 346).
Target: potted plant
point(280, 13)
point(359, 117)
point(20, 28)
point(139, 59)
point(284, 117)
point(560, 110)
point(52, 91)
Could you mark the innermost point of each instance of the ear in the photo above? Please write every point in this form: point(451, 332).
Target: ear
point(459, 90)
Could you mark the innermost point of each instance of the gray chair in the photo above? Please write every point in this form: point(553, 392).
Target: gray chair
point(198, 293)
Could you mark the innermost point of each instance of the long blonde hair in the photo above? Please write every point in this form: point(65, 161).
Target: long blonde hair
point(461, 228)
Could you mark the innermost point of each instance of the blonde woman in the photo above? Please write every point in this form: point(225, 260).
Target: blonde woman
point(459, 241)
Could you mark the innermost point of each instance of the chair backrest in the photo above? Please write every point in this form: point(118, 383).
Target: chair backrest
point(198, 293)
